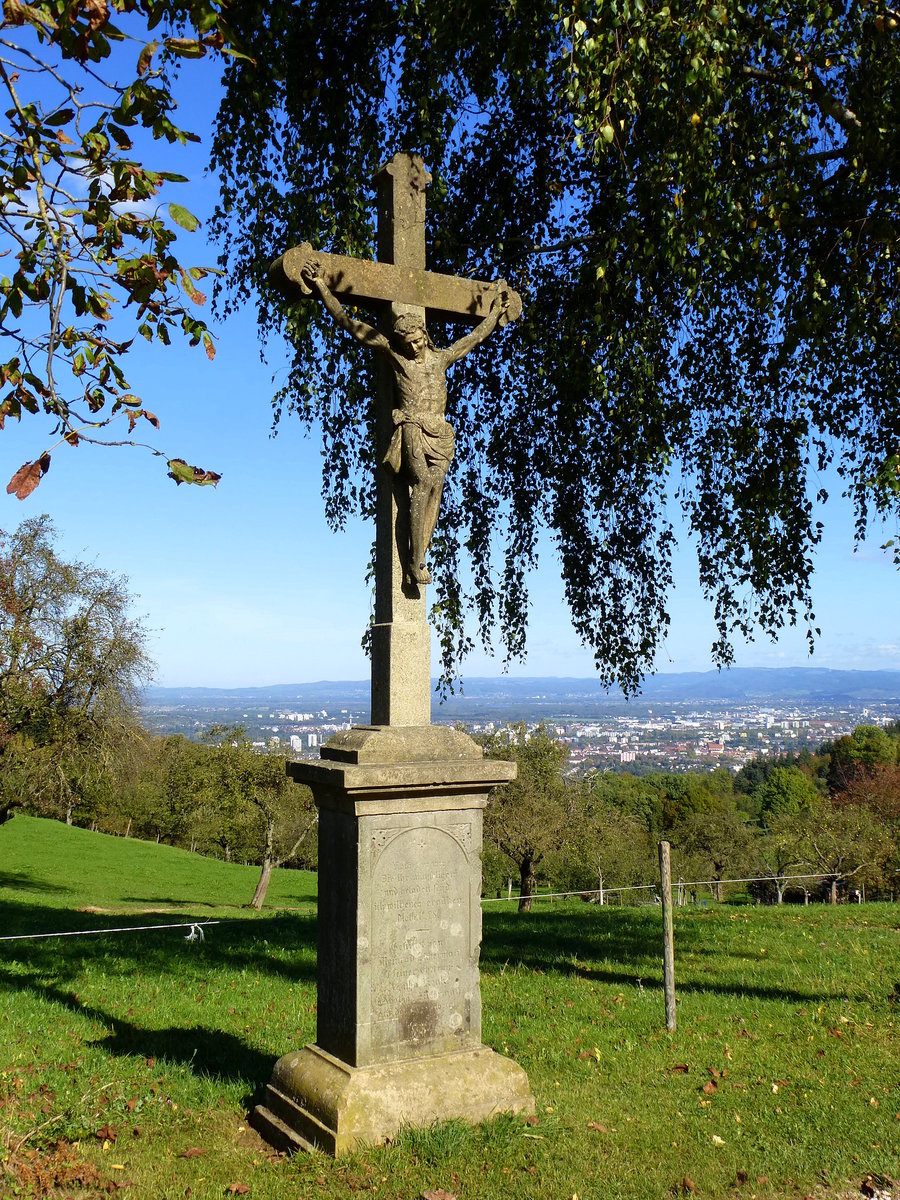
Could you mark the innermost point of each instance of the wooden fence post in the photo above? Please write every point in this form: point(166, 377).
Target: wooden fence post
point(665, 875)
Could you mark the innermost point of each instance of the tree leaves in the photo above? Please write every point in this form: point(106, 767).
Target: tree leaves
point(182, 217)
point(702, 218)
point(183, 472)
point(90, 246)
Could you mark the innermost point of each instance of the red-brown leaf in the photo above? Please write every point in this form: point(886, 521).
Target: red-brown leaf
point(438, 1194)
point(146, 57)
point(238, 1189)
point(679, 1069)
point(105, 1134)
point(710, 1088)
point(597, 1127)
point(97, 13)
point(27, 477)
point(192, 1152)
point(688, 1185)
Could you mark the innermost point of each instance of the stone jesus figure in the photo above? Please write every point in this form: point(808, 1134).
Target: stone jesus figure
point(422, 446)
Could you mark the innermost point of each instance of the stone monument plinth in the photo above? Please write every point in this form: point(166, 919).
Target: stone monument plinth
point(398, 1036)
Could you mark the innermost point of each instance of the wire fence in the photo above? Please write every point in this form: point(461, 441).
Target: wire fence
point(683, 886)
point(196, 931)
point(598, 894)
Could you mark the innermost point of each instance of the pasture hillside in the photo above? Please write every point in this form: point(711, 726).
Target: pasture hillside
point(132, 1058)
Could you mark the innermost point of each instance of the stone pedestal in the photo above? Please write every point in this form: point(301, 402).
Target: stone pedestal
point(398, 1037)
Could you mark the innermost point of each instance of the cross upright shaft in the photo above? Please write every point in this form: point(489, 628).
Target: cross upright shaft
point(401, 636)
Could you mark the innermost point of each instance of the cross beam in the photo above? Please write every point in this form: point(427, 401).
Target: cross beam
point(364, 282)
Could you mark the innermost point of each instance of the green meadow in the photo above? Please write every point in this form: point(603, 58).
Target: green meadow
point(129, 1061)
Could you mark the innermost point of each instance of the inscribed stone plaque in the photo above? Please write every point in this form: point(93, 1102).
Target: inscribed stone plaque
point(425, 931)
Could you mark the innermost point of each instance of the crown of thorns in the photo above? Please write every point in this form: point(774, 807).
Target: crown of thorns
point(408, 323)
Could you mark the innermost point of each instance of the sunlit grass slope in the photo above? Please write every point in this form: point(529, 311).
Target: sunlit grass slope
point(55, 866)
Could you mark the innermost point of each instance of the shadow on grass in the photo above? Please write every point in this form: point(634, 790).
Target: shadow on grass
point(208, 1052)
point(564, 939)
point(572, 942)
point(50, 969)
point(24, 879)
point(282, 946)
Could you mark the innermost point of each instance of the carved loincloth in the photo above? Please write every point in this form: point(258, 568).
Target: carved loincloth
point(427, 435)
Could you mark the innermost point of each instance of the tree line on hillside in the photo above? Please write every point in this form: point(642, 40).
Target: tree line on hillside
point(834, 814)
point(72, 661)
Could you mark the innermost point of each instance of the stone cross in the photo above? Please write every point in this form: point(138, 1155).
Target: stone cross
point(398, 1020)
point(398, 284)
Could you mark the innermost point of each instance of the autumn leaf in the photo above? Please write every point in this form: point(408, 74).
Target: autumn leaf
point(187, 47)
point(105, 1134)
point(438, 1194)
point(27, 477)
point(97, 13)
point(183, 472)
point(688, 1185)
point(192, 1152)
point(209, 345)
point(532, 1120)
point(710, 1088)
point(597, 1127)
point(679, 1069)
point(146, 57)
point(238, 1189)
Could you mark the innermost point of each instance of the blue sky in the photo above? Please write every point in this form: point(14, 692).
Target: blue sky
point(245, 584)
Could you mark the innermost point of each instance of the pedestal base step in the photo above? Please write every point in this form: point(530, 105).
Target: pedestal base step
point(315, 1101)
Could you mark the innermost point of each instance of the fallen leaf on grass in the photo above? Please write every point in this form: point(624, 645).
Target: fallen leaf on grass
point(438, 1194)
point(192, 1152)
point(679, 1068)
point(717, 1141)
point(597, 1127)
point(129, 1104)
point(710, 1088)
point(688, 1185)
point(741, 1178)
point(105, 1134)
point(762, 1180)
point(238, 1189)
point(532, 1120)
point(875, 1185)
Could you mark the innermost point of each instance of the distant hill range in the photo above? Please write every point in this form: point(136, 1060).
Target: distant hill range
point(771, 685)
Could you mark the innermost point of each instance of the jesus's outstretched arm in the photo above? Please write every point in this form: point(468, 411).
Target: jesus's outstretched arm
point(499, 306)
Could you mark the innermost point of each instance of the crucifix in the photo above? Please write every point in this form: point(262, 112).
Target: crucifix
point(415, 441)
point(398, 1017)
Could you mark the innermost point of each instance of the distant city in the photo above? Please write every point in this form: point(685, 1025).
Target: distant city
point(680, 722)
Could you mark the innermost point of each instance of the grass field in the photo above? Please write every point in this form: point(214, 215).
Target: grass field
point(132, 1058)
